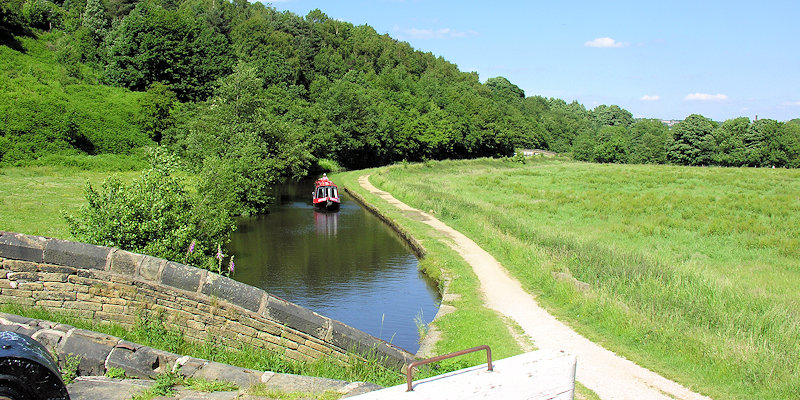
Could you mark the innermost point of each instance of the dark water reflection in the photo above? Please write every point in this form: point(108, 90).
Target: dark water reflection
point(347, 265)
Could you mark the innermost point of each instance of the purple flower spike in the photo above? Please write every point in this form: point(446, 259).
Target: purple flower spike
point(191, 247)
point(219, 253)
point(231, 265)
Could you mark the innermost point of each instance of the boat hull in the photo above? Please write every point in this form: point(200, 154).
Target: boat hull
point(329, 205)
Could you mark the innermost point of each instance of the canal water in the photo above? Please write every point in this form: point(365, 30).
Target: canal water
point(347, 265)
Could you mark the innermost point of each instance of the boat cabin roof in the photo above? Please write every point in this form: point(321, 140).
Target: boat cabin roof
point(324, 181)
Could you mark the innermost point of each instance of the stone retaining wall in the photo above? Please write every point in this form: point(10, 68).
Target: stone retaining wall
point(98, 353)
point(415, 245)
point(113, 285)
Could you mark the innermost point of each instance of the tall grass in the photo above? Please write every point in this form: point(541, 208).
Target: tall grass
point(693, 271)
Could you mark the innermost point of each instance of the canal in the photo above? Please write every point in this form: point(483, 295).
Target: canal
point(347, 265)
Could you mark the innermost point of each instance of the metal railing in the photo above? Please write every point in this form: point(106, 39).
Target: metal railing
point(444, 357)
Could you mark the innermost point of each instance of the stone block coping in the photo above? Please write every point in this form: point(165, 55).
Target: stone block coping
point(99, 352)
point(35, 268)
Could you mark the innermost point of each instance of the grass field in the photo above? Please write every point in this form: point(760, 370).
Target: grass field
point(693, 271)
point(33, 198)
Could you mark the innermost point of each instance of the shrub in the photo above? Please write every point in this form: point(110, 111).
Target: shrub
point(42, 14)
point(153, 215)
point(328, 165)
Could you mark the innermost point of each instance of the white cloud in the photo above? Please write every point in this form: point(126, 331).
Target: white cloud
point(605, 42)
point(441, 33)
point(706, 97)
point(792, 103)
point(647, 97)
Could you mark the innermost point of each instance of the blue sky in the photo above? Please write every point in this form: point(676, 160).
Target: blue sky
point(665, 59)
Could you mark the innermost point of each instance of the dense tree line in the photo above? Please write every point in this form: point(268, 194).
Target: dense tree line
point(227, 80)
point(696, 140)
point(346, 92)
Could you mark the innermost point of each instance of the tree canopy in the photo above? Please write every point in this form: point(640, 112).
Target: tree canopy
point(313, 88)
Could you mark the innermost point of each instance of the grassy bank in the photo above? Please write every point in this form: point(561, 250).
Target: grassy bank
point(471, 324)
point(693, 271)
point(152, 331)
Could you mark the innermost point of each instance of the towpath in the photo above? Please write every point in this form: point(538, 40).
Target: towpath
point(607, 374)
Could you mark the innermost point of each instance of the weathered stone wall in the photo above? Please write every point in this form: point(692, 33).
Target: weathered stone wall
point(113, 285)
point(98, 353)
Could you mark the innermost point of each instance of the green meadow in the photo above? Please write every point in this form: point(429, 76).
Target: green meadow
point(32, 199)
point(692, 272)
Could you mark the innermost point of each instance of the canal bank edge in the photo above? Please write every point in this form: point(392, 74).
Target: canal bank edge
point(428, 343)
point(113, 285)
point(416, 246)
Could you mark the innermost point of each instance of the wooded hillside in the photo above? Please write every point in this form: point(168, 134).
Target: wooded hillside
point(227, 80)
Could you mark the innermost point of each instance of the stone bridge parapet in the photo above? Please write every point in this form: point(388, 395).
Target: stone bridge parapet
point(112, 285)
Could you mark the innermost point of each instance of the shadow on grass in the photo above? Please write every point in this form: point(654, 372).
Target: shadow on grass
point(8, 37)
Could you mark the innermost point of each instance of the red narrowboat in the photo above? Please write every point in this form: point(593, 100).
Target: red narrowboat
point(326, 194)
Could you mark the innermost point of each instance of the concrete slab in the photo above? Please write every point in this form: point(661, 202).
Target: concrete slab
point(102, 388)
point(536, 375)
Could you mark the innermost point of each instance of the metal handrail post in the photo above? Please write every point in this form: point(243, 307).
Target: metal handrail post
point(444, 357)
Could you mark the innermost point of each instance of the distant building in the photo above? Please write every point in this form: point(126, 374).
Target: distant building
point(536, 152)
point(670, 122)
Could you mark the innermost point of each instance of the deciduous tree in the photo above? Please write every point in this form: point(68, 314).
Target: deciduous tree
point(648, 142)
point(729, 137)
point(153, 44)
point(692, 141)
point(612, 115)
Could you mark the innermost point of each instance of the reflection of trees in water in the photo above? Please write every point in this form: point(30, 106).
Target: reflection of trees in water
point(347, 264)
point(295, 248)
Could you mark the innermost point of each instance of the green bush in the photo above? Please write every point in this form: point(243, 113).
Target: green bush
point(42, 14)
point(153, 215)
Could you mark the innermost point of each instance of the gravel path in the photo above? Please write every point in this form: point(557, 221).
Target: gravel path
point(607, 374)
